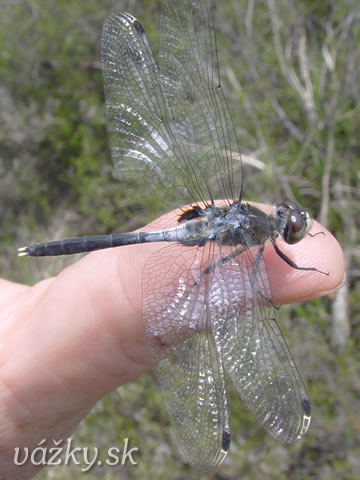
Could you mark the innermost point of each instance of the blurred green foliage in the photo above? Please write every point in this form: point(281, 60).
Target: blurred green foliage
point(290, 71)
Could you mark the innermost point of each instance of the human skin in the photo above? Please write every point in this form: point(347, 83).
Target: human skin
point(68, 340)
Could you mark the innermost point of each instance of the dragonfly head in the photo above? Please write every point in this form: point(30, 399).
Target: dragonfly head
point(296, 222)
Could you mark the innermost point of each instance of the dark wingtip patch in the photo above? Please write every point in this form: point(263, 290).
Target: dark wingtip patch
point(226, 439)
point(138, 27)
point(306, 405)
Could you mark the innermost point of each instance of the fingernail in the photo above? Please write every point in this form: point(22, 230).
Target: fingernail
point(333, 290)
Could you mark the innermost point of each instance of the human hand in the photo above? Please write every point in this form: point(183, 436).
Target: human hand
point(68, 340)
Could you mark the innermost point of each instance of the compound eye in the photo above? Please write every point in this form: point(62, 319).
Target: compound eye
point(299, 223)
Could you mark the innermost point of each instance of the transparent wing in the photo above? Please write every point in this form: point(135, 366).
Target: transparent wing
point(190, 374)
point(169, 126)
point(190, 79)
point(253, 350)
point(135, 108)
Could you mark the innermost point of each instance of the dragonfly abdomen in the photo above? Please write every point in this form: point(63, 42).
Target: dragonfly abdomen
point(70, 246)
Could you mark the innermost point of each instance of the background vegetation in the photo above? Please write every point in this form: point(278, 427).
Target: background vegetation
point(291, 74)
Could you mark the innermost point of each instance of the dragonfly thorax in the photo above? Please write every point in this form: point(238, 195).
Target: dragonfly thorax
point(237, 224)
point(242, 224)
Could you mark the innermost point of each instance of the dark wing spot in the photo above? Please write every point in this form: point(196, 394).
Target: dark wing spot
point(306, 405)
point(138, 27)
point(226, 439)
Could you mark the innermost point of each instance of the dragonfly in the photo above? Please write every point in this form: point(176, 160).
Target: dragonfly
point(207, 303)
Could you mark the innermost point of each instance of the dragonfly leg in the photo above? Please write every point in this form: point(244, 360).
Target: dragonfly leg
point(253, 282)
point(293, 264)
